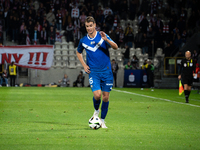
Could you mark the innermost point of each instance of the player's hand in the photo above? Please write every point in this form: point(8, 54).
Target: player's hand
point(179, 77)
point(194, 74)
point(103, 36)
point(87, 69)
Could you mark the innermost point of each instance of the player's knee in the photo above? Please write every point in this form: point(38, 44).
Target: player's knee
point(106, 98)
point(97, 96)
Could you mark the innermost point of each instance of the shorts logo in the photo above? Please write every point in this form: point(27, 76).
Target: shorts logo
point(108, 84)
point(90, 80)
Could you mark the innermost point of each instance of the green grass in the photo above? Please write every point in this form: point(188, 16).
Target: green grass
point(57, 119)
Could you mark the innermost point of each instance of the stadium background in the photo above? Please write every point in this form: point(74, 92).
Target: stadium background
point(170, 27)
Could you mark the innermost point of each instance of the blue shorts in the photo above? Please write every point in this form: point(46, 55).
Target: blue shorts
point(101, 81)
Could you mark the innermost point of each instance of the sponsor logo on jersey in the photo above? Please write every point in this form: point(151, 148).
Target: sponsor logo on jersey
point(185, 65)
point(93, 42)
point(191, 64)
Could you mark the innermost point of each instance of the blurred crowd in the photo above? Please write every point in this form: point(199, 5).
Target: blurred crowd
point(163, 24)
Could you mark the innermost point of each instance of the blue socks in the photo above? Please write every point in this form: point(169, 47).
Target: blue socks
point(96, 103)
point(104, 109)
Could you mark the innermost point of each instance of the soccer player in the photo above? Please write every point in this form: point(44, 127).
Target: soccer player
point(186, 74)
point(98, 65)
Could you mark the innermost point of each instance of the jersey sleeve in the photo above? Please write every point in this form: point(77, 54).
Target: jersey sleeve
point(181, 67)
point(109, 39)
point(80, 47)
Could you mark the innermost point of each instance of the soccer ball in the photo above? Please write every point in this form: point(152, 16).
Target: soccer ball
point(95, 123)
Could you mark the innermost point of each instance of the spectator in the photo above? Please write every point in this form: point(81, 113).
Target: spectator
point(128, 65)
point(106, 11)
point(12, 73)
point(66, 20)
point(99, 16)
point(159, 23)
point(145, 65)
point(77, 36)
point(181, 25)
point(59, 20)
point(150, 72)
point(178, 41)
point(50, 17)
point(126, 54)
point(116, 21)
point(167, 50)
point(150, 35)
point(155, 28)
point(134, 61)
point(109, 20)
point(112, 35)
point(70, 30)
point(75, 12)
point(121, 38)
point(114, 6)
point(65, 81)
point(80, 79)
point(43, 36)
point(123, 10)
point(23, 36)
point(15, 25)
point(129, 38)
point(127, 29)
point(192, 20)
point(36, 35)
point(39, 27)
point(145, 44)
point(82, 17)
point(141, 17)
point(45, 21)
point(144, 24)
point(82, 29)
point(133, 8)
point(180, 54)
point(115, 68)
point(52, 35)
point(4, 78)
point(195, 56)
point(138, 39)
point(197, 72)
point(84, 9)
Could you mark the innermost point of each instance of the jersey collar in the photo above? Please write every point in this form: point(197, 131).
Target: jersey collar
point(92, 38)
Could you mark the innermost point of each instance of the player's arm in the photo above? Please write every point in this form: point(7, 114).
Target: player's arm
point(179, 77)
point(80, 57)
point(194, 70)
point(111, 43)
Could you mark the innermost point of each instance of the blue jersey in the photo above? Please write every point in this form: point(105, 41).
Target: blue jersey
point(98, 58)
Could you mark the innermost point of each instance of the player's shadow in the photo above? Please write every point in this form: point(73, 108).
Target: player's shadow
point(78, 126)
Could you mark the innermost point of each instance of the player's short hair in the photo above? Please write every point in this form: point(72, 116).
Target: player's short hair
point(89, 19)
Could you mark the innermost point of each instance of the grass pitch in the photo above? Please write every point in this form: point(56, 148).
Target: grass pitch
point(38, 118)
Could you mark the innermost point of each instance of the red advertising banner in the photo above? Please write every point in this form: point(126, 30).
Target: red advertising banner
point(36, 57)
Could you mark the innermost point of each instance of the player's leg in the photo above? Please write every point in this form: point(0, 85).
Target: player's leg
point(94, 81)
point(107, 84)
point(186, 92)
point(96, 102)
point(105, 104)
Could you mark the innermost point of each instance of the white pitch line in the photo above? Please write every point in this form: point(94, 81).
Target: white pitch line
point(167, 100)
